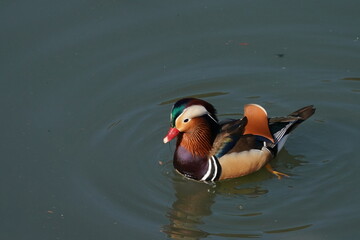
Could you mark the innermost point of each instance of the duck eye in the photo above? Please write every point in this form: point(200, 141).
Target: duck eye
point(186, 120)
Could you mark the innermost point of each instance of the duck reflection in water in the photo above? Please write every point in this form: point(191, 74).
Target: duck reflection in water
point(193, 201)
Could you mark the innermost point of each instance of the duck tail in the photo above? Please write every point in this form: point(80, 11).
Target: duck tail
point(304, 113)
point(281, 127)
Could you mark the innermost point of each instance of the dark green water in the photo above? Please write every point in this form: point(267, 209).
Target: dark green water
point(86, 91)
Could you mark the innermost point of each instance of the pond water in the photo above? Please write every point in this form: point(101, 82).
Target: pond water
point(86, 92)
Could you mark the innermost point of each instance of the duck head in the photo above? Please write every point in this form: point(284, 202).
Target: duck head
point(188, 114)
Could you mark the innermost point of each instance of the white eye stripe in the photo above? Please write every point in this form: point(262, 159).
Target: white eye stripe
point(194, 111)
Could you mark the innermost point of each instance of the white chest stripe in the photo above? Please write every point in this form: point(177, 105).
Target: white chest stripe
point(216, 168)
point(207, 172)
point(212, 170)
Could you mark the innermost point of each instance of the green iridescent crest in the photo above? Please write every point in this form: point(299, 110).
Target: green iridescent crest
point(175, 112)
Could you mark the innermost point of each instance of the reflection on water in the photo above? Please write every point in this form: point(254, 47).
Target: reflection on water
point(203, 95)
point(289, 229)
point(351, 79)
point(194, 201)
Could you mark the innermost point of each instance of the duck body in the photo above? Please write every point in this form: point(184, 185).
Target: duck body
point(209, 150)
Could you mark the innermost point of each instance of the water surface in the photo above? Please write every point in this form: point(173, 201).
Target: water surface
point(87, 89)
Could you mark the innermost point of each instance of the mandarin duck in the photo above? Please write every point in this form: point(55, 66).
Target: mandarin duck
point(209, 150)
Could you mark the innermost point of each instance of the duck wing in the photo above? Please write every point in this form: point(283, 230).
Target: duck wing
point(244, 134)
point(230, 133)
